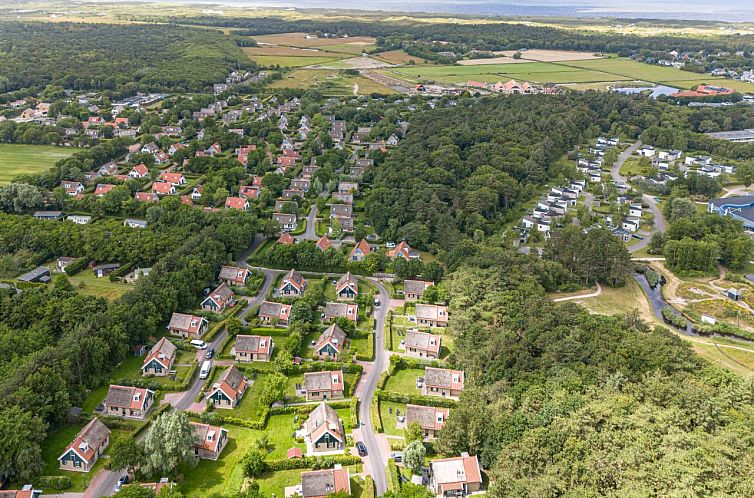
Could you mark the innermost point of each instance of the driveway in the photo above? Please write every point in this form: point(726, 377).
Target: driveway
point(615, 170)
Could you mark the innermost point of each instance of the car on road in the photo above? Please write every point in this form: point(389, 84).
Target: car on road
point(198, 344)
point(123, 480)
point(361, 448)
point(377, 303)
point(210, 353)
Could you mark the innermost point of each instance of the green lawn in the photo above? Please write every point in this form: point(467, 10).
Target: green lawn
point(54, 446)
point(87, 283)
point(389, 420)
point(27, 159)
point(222, 476)
point(249, 407)
point(290, 60)
point(363, 345)
point(404, 381)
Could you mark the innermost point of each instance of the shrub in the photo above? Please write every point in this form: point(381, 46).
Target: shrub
point(369, 491)
point(54, 482)
point(315, 463)
point(76, 266)
point(394, 482)
point(415, 399)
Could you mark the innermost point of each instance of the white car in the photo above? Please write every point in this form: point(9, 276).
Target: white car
point(390, 245)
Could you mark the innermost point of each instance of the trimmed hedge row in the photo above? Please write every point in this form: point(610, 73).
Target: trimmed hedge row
point(315, 463)
point(375, 413)
point(415, 399)
point(121, 272)
point(150, 384)
point(76, 266)
point(369, 491)
point(393, 481)
point(216, 418)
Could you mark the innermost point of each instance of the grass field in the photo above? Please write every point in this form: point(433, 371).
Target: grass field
point(329, 82)
point(86, 283)
point(23, 159)
point(592, 72)
point(54, 445)
point(290, 61)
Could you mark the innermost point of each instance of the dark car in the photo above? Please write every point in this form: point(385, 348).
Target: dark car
point(361, 448)
point(210, 353)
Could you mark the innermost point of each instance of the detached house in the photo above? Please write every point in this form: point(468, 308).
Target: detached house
point(361, 251)
point(330, 343)
point(139, 171)
point(253, 348)
point(72, 188)
point(456, 477)
point(341, 310)
point(187, 326)
point(286, 239)
point(293, 284)
point(322, 386)
point(432, 315)
point(442, 382)
point(324, 430)
point(160, 359)
point(422, 344)
point(431, 419)
point(88, 445)
point(413, 290)
point(163, 188)
point(176, 179)
point(219, 299)
point(402, 250)
point(226, 393)
point(286, 221)
point(270, 312)
point(128, 401)
point(323, 483)
point(209, 440)
point(237, 203)
point(102, 189)
point(323, 244)
point(234, 275)
point(347, 287)
point(146, 197)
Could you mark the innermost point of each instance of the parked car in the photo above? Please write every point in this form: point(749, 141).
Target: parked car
point(397, 456)
point(123, 480)
point(361, 448)
point(210, 353)
point(390, 245)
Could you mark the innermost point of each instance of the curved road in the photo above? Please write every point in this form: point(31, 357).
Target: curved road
point(311, 225)
point(659, 219)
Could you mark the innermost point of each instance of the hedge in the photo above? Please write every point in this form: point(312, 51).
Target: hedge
point(54, 482)
point(375, 413)
point(18, 284)
point(315, 463)
point(149, 384)
point(369, 491)
point(415, 399)
point(121, 272)
point(214, 417)
point(393, 481)
point(76, 266)
point(309, 366)
point(725, 329)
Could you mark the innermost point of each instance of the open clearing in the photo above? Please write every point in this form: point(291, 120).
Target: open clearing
point(492, 60)
point(398, 57)
point(300, 40)
point(329, 82)
point(27, 159)
point(282, 51)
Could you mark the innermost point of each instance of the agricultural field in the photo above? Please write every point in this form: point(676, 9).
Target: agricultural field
point(398, 57)
point(28, 159)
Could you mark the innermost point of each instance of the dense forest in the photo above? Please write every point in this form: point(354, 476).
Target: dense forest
point(559, 402)
point(481, 36)
point(462, 169)
point(61, 343)
point(114, 57)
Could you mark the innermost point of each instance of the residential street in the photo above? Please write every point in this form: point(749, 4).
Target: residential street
point(659, 219)
point(311, 225)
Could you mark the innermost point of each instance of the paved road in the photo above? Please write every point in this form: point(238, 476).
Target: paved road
point(311, 225)
point(377, 460)
point(659, 219)
point(187, 397)
point(269, 279)
point(615, 171)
